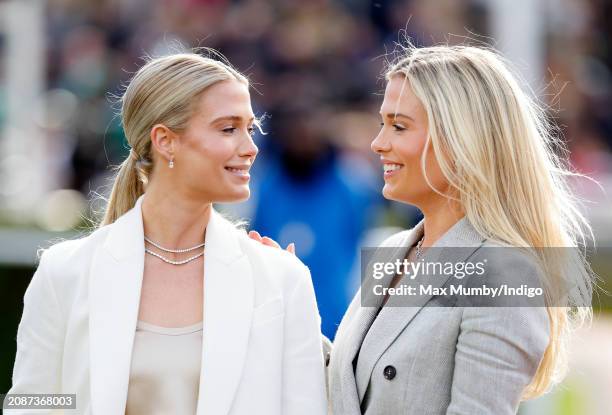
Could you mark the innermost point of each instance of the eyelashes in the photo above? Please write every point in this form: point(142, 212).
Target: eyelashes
point(397, 127)
point(231, 130)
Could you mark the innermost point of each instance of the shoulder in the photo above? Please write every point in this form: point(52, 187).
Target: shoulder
point(67, 250)
point(274, 257)
point(65, 263)
point(506, 260)
point(273, 267)
point(515, 272)
point(60, 270)
point(389, 248)
point(396, 239)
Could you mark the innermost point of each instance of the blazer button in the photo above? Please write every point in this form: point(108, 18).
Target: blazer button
point(389, 372)
point(327, 356)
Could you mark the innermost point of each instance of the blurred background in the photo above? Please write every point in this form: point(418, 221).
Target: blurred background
point(315, 67)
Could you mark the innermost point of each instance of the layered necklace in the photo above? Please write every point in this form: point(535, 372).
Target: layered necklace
point(176, 251)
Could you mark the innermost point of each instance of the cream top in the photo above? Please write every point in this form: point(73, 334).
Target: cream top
point(165, 370)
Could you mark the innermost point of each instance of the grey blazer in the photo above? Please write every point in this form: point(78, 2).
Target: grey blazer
point(437, 360)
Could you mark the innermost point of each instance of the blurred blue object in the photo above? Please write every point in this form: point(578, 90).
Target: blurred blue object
point(325, 213)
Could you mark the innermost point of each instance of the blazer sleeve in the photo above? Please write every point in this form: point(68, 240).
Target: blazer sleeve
point(498, 352)
point(40, 335)
point(499, 347)
point(303, 367)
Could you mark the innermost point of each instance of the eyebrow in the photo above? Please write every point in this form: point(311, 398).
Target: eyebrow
point(398, 115)
point(230, 118)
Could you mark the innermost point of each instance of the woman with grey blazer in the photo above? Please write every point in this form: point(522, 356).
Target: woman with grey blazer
point(462, 142)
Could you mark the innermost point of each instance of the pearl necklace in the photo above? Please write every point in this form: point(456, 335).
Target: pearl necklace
point(169, 261)
point(172, 250)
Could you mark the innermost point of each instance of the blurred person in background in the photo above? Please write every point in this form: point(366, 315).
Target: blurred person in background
point(307, 196)
point(168, 307)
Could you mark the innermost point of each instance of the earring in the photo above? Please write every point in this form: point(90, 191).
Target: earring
point(171, 164)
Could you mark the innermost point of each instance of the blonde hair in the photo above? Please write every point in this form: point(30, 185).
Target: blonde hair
point(497, 149)
point(164, 90)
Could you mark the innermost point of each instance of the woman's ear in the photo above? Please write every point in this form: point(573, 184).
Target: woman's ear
point(163, 140)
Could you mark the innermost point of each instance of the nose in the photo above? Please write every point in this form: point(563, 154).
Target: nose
point(380, 144)
point(249, 149)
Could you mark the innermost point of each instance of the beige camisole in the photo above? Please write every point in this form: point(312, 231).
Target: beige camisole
point(165, 370)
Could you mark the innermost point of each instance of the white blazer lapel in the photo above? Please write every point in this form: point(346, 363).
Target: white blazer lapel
point(228, 308)
point(114, 293)
point(115, 286)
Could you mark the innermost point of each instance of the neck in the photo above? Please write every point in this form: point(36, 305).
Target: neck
point(439, 216)
point(174, 221)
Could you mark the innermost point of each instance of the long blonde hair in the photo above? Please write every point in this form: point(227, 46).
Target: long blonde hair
point(165, 91)
point(497, 149)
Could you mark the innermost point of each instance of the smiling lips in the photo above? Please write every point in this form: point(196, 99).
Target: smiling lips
point(390, 167)
point(240, 171)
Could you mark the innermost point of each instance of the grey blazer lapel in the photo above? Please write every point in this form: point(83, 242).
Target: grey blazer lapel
point(457, 244)
point(353, 328)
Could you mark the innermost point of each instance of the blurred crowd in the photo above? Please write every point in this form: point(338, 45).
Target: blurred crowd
point(315, 68)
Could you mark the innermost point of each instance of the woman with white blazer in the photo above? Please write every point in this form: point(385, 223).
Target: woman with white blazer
point(167, 307)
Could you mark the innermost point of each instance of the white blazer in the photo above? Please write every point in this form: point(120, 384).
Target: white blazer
point(261, 351)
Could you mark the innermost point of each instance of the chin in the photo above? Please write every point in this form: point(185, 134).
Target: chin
point(394, 195)
point(389, 193)
point(243, 197)
point(239, 195)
